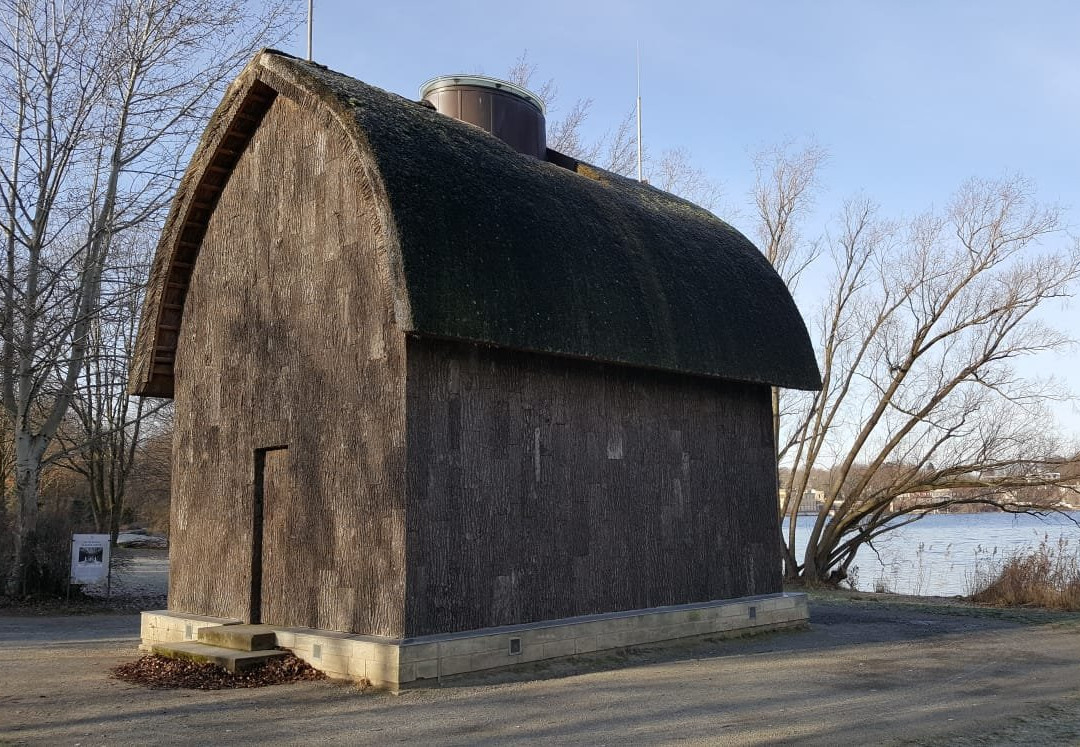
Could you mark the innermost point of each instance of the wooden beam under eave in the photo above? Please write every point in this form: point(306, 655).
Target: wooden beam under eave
point(192, 229)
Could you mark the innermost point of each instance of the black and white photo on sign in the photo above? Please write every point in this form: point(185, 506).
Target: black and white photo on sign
point(89, 558)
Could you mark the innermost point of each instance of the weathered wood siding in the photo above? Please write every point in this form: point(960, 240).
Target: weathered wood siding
point(541, 487)
point(288, 341)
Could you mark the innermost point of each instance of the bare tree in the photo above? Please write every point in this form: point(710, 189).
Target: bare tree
point(921, 408)
point(786, 181)
point(147, 493)
point(615, 149)
point(565, 134)
point(523, 71)
point(101, 103)
point(675, 173)
point(7, 461)
point(104, 429)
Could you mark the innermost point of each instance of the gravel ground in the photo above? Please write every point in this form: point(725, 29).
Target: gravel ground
point(140, 581)
point(139, 577)
point(870, 670)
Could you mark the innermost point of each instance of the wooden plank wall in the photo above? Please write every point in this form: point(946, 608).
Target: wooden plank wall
point(541, 487)
point(288, 340)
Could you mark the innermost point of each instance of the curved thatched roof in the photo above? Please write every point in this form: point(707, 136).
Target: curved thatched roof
point(497, 247)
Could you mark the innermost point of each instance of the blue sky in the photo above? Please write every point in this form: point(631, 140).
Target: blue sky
point(910, 98)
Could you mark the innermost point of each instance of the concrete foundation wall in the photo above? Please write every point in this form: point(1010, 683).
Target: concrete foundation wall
point(396, 663)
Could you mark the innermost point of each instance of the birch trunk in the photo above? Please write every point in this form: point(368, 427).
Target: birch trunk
point(28, 453)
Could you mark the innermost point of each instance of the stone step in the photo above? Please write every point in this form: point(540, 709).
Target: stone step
point(239, 637)
point(231, 659)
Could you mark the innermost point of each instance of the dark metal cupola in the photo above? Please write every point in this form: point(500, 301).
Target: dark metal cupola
point(507, 111)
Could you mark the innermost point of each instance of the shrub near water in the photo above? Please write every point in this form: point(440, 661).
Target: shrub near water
point(1046, 576)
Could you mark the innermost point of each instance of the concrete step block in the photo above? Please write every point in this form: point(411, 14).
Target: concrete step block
point(239, 637)
point(231, 659)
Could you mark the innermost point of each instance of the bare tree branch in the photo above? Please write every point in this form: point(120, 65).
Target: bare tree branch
point(100, 105)
point(920, 407)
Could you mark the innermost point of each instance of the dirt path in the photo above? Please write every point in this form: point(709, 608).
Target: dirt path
point(878, 672)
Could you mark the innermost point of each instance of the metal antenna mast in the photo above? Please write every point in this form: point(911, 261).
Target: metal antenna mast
point(640, 174)
point(310, 13)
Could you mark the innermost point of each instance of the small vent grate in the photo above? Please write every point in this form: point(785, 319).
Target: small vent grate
point(316, 651)
point(188, 633)
point(515, 646)
point(753, 613)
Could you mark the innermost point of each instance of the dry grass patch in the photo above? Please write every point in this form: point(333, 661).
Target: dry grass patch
point(1047, 576)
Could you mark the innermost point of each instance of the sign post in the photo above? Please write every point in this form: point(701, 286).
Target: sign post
point(91, 561)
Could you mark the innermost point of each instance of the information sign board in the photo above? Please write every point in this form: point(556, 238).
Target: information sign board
point(89, 558)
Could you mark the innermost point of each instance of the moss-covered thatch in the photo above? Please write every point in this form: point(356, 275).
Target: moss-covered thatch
point(496, 247)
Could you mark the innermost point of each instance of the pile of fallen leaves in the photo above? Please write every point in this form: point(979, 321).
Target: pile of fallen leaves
point(163, 673)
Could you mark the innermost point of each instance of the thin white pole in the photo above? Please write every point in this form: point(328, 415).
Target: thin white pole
point(640, 169)
point(310, 12)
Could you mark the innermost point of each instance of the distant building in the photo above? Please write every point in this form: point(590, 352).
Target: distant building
point(812, 500)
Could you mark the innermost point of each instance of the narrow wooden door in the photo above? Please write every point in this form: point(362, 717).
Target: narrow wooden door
point(270, 537)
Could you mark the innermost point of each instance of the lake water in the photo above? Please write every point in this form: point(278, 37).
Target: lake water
point(937, 555)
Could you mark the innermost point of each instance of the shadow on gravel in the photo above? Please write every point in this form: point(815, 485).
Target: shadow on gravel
point(25, 631)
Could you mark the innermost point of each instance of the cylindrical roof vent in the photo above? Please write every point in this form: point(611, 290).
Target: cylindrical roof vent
point(507, 111)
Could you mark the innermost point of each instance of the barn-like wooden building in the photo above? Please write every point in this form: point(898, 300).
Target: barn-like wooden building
point(431, 383)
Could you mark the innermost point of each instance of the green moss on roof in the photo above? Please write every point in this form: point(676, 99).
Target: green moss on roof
point(502, 248)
